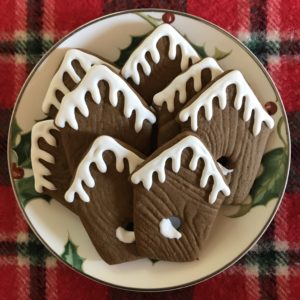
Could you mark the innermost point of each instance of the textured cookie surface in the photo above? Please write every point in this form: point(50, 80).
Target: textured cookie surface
point(189, 186)
point(103, 196)
point(230, 120)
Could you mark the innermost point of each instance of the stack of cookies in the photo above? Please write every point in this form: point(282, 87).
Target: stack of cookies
point(146, 155)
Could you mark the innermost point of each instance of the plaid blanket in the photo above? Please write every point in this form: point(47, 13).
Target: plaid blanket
point(271, 29)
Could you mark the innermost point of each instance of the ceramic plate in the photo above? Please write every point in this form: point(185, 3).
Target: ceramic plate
point(237, 228)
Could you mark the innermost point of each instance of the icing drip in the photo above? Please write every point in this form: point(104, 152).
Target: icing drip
point(158, 163)
point(218, 89)
point(168, 230)
point(42, 130)
point(138, 57)
point(95, 155)
point(124, 235)
point(76, 98)
point(86, 61)
point(167, 95)
point(224, 170)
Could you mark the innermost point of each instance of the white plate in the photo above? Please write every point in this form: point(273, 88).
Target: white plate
point(62, 232)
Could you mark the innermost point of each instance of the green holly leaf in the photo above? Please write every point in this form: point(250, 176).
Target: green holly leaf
point(23, 150)
point(270, 183)
point(242, 210)
point(199, 49)
point(125, 53)
point(219, 54)
point(26, 191)
point(151, 20)
point(71, 256)
point(15, 131)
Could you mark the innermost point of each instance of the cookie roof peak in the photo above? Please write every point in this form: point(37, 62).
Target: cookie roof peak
point(149, 44)
point(95, 155)
point(167, 95)
point(244, 94)
point(57, 84)
point(158, 165)
point(76, 98)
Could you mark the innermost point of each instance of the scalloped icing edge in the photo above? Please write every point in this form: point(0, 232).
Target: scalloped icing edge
point(42, 130)
point(86, 61)
point(167, 95)
point(95, 155)
point(149, 44)
point(158, 164)
point(218, 89)
point(76, 98)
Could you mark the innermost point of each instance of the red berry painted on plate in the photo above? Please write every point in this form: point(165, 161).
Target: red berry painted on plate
point(17, 172)
point(168, 17)
point(271, 108)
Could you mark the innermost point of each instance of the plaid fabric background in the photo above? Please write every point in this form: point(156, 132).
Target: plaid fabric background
point(271, 29)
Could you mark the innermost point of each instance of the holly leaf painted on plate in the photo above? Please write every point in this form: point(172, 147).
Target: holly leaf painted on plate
point(15, 131)
point(243, 209)
point(270, 183)
point(219, 54)
point(125, 53)
point(26, 191)
point(23, 150)
point(199, 49)
point(71, 256)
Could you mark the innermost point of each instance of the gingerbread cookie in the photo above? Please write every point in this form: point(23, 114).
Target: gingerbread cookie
point(74, 66)
point(229, 119)
point(160, 57)
point(103, 195)
point(172, 98)
point(189, 187)
point(103, 103)
point(49, 163)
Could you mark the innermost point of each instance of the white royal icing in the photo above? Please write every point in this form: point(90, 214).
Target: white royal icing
point(149, 44)
point(86, 61)
point(95, 155)
point(42, 130)
point(168, 230)
point(76, 98)
point(167, 95)
point(124, 235)
point(158, 163)
point(224, 170)
point(218, 89)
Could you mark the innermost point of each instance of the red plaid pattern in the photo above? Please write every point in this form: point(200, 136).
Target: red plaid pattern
point(271, 29)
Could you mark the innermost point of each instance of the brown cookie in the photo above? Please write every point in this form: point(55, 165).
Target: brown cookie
point(103, 195)
point(188, 188)
point(230, 120)
point(49, 164)
point(160, 57)
point(172, 98)
point(72, 69)
point(103, 103)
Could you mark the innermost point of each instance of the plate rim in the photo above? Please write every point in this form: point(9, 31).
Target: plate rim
point(240, 44)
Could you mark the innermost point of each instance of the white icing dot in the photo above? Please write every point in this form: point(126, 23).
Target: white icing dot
point(168, 230)
point(149, 44)
point(95, 155)
point(125, 236)
point(76, 98)
point(42, 130)
point(86, 61)
point(158, 164)
point(178, 84)
point(218, 89)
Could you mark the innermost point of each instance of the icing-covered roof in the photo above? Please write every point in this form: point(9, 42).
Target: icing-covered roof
point(158, 165)
point(218, 89)
point(76, 98)
point(95, 155)
point(149, 44)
